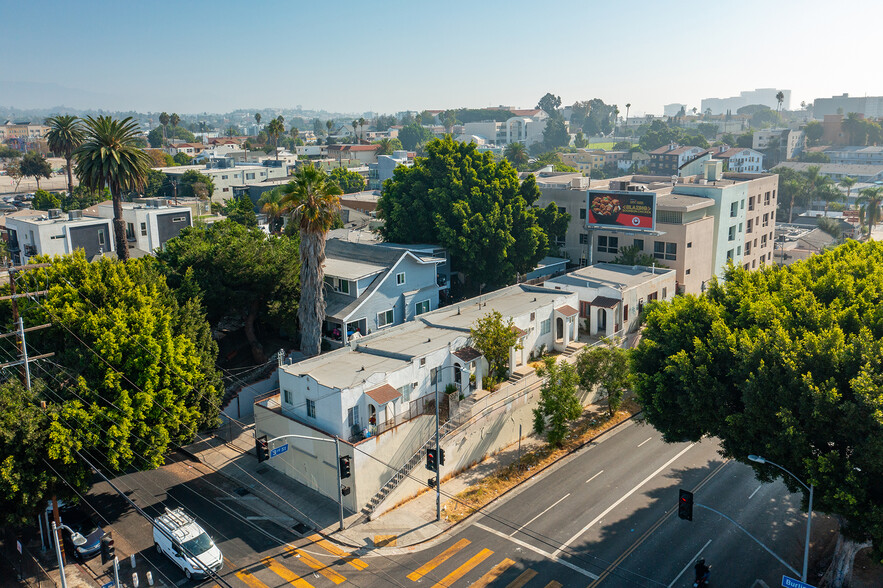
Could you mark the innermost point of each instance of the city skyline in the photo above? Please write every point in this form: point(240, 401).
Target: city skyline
point(218, 57)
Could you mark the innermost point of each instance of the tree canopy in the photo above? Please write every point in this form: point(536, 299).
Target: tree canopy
point(349, 181)
point(413, 135)
point(786, 363)
point(494, 337)
point(241, 211)
point(44, 200)
point(155, 137)
point(474, 206)
point(35, 165)
point(558, 403)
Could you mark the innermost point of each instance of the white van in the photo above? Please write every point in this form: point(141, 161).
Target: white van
point(184, 541)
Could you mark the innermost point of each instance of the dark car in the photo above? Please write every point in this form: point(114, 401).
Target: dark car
point(78, 520)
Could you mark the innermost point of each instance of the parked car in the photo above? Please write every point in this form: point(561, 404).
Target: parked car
point(80, 522)
point(180, 538)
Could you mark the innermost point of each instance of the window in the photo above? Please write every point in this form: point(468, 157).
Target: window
point(729, 255)
point(226, 189)
point(130, 231)
point(766, 198)
point(734, 209)
point(249, 176)
point(400, 278)
point(533, 316)
point(763, 240)
point(689, 245)
point(731, 234)
point(608, 244)
point(583, 239)
point(740, 227)
point(311, 408)
point(748, 248)
point(143, 229)
point(738, 250)
point(742, 205)
point(286, 396)
point(422, 361)
point(385, 318)
point(748, 226)
point(405, 391)
point(662, 250)
point(545, 326)
point(766, 220)
point(687, 272)
point(582, 214)
point(433, 376)
point(352, 417)
point(423, 307)
point(639, 243)
point(343, 286)
point(101, 238)
point(664, 293)
point(584, 308)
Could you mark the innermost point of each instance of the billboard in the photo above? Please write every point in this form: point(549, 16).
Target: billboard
point(620, 209)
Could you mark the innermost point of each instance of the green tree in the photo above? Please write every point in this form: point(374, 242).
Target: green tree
point(813, 157)
point(464, 200)
point(413, 135)
point(658, 134)
point(848, 182)
point(271, 205)
point(192, 177)
point(257, 118)
point(814, 131)
point(349, 181)
point(13, 170)
point(241, 274)
point(181, 158)
point(869, 201)
point(780, 98)
point(633, 255)
point(137, 392)
point(784, 363)
point(242, 212)
point(7, 152)
point(494, 338)
point(831, 226)
point(274, 129)
point(65, 135)
point(549, 103)
point(813, 183)
point(231, 131)
point(555, 133)
point(313, 200)
point(388, 146)
point(159, 136)
point(174, 119)
point(558, 403)
point(164, 121)
point(517, 155)
point(108, 159)
point(83, 198)
point(580, 141)
point(607, 366)
point(35, 165)
point(44, 200)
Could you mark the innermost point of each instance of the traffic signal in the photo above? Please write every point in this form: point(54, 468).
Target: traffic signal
point(441, 457)
point(262, 448)
point(344, 490)
point(107, 549)
point(685, 505)
point(430, 460)
point(344, 466)
point(431, 482)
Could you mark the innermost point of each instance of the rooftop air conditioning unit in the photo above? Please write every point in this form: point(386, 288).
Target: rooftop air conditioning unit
point(54, 213)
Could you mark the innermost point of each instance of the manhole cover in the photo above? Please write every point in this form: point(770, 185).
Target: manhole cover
point(262, 470)
point(241, 491)
point(301, 529)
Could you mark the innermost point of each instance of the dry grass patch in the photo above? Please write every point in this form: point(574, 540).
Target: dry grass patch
point(588, 426)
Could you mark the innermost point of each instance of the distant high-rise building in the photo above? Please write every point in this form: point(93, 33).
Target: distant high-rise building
point(673, 109)
point(870, 106)
point(765, 96)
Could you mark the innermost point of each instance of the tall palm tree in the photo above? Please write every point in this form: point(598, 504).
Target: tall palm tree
point(109, 158)
point(516, 153)
point(870, 200)
point(274, 129)
point(812, 179)
point(294, 133)
point(361, 129)
point(628, 105)
point(848, 182)
point(257, 118)
point(355, 135)
point(65, 135)
point(385, 146)
point(780, 98)
point(174, 119)
point(313, 200)
point(271, 204)
point(164, 121)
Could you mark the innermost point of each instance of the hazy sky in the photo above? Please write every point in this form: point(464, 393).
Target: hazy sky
point(385, 56)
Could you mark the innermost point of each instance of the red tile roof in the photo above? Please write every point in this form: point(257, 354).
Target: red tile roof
point(567, 310)
point(529, 112)
point(353, 147)
point(605, 302)
point(467, 353)
point(383, 394)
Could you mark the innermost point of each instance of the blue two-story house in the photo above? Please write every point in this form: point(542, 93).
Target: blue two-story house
point(368, 288)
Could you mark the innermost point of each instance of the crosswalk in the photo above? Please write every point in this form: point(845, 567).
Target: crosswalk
point(460, 564)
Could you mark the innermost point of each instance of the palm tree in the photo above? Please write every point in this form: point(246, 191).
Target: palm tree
point(870, 200)
point(271, 205)
point(780, 98)
point(109, 158)
point(848, 182)
point(274, 129)
point(174, 119)
point(164, 121)
point(329, 124)
point(829, 193)
point(812, 180)
point(355, 137)
point(257, 118)
point(313, 200)
point(361, 129)
point(65, 135)
point(294, 133)
point(385, 146)
point(628, 105)
point(516, 153)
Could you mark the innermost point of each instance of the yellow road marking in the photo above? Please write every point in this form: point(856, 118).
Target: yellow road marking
point(284, 573)
point(553, 584)
point(317, 565)
point(438, 560)
point(464, 569)
point(335, 550)
point(525, 577)
point(250, 580)
point(495, 573)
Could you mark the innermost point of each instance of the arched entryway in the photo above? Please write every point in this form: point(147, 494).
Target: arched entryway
point(559, 328)
point(372, 414)
point(602, 320)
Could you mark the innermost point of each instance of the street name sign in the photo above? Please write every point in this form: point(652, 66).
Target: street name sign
point(277, 450)
point(792, 583)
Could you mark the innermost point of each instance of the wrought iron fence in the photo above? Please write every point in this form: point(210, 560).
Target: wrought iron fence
point(24, 564)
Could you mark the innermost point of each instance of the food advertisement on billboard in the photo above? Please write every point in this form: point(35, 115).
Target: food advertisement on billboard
point(622, 210)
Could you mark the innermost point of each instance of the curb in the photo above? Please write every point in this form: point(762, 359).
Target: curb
point(493, 502)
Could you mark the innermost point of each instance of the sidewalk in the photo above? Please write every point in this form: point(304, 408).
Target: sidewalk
point(289, 502)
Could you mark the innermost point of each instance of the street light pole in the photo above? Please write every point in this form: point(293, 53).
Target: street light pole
point(58, 554)
point(810, 488)
point(438, 445)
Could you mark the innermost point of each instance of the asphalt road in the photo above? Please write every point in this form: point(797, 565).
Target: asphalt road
point(606, 516)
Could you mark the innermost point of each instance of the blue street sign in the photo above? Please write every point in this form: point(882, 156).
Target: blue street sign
point(277, 450)
point(792, 583)
point(108, 585)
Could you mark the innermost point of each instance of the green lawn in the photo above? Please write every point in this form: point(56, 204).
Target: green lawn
point(605, 146)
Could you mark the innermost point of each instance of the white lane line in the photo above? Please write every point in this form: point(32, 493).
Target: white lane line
point(755, 492)
point(537, 550)
point(595, 476)
point(539, 515)
point(622, 498)
point(642, 442)
point(689, 563)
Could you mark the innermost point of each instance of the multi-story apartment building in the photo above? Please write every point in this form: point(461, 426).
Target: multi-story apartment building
point(55, 233)
point(149, 224)
point(22, 130)
point(526, 129)
point(856, 155)
point(764, 96)
point(226, 174)
point(790, 142)
point(668, 159)
point(870, 106)
point(740, 160)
